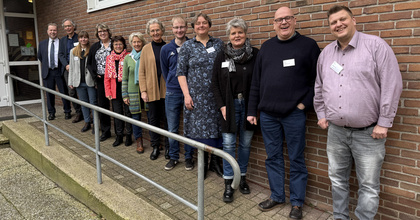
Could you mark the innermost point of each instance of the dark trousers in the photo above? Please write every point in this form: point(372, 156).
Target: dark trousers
point(73, 93)
point(54, 79)
point(156, 115)
point(118, 106)
point(103, 102)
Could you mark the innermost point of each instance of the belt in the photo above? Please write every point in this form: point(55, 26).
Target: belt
point(238, 96)
point(360, 129)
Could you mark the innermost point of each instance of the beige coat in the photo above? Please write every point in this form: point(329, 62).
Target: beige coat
point(148, 80)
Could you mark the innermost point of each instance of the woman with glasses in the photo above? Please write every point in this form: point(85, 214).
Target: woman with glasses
point(113, 89)
point(130, 84)
point(232, 74)
point(194, 71)
point(152, 84)
point(96, 65)
point(80, 78)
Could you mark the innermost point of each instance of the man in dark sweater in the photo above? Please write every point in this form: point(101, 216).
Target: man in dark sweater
point(282, 89)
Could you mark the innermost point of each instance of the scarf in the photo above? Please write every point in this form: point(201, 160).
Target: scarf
point(136, 57)
point(111, 64)
point(241, 55)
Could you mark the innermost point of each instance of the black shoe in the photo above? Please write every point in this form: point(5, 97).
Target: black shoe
point(167, 153)
point(67, 115)
point(171, 164)
point(128, 140)
point(268, 205)
point(243, 186)
point(86, 127)
point(118, 140)
point(51, 116)
point(189, 164)
point(215, 165)
point(105, 136)
point(228, 194)
point(155, 153)
point(78, 118)
point(296, 212)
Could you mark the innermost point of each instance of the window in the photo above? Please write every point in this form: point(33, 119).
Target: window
point(96, 5)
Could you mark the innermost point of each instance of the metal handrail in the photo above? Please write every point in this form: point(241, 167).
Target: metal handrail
point(200, 146)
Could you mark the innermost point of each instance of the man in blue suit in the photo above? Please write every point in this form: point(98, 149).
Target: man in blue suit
point(66, 44)
point(51, 74)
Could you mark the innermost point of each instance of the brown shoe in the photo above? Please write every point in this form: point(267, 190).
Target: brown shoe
point(140, 148)
point(78, 118)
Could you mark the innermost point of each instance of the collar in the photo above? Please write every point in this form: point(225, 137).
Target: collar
point(353, 42)
point(210, 39)
point(55, 40)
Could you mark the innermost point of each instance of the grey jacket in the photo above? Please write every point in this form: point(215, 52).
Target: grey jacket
point(74, 72)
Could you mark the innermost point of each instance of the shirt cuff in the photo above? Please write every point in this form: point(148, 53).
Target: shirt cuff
point(385, 122)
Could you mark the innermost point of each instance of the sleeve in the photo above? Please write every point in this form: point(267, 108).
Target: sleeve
point(254, 93)
point(91, 62)
point(62, 52)
point(215, 84)
point(319, 104)
point(390, 83)
point(39, 52)
point(71, 69)
point(164, 62)
point(182, 64)
point(313, 56)
point(142, 71)
point(107, 79)
point(125, 77)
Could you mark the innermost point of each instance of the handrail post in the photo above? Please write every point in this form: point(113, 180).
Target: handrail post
point(97, 146)
point(44, 110)
point(12, 97)
point(200, 182)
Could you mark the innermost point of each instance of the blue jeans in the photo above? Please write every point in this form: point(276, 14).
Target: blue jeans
point(272, 129)
point(344, 145)
point(86, 94)
point(229, 142)
point(174, 105)
point(136, 129)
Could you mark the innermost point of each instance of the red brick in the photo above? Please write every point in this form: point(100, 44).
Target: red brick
point(368, 18)
point(410, 187)
point(379, 26)
point(396, 33)
point(395, 16)
point(399, 192)
point(354, 4)
point(400, 160)
point(378, 9)
point(407, 6)
point(410, 154)
point(414, 67)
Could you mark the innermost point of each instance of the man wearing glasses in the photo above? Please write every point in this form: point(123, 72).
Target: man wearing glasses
point(282, 89)
point(174, 98)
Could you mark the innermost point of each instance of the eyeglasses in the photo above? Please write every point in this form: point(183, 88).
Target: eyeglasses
point(287, 19)
point(67, 26)
point(179, 27)
point(101, 32)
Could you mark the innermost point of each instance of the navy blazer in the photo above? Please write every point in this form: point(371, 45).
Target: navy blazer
point(63, 56)
point(43, 57)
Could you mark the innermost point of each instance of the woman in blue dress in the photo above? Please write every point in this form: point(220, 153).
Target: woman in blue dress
point(194, 71)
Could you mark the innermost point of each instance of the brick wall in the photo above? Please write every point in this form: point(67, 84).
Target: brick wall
point(396, 21)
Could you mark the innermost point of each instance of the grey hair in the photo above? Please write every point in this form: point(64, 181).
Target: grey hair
point(136, 34)
point(236, 23)
point(71, 21)
point(154, 21)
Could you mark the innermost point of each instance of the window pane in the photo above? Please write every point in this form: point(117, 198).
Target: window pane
point(18, 6)
point(22, 91)
point(21, 39)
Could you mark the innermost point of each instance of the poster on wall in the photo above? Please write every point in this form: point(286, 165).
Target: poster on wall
point(13, 40)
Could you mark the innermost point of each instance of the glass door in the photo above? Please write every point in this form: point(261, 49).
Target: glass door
point(20, 35)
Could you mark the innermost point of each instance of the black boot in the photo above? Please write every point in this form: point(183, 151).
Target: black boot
point(118, 140)
point(167, 153)
point(228, 194)
point(215, 165)
point(206, 164)
point(155, 153)
point(243, 186)
point(128, 140)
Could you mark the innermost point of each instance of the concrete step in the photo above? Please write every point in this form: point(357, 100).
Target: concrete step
point(3, 139)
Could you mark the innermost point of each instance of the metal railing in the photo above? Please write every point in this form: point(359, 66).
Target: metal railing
point(99, 155)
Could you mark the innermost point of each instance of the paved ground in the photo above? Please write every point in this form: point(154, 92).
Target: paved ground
point(27, 194)
point(178, 180)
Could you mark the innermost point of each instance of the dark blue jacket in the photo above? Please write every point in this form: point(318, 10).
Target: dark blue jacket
point(168, 63)
point(63, 51)
point(43, 57)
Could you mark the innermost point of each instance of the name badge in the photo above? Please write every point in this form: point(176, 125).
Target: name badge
point(289, 62)
point(337, 68)
point(75, 44)
point(76, 58)
point(225, 64)
point(178, 49)
point(210, 50)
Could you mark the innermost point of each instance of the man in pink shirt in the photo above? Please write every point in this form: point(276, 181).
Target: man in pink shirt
point(357, 90)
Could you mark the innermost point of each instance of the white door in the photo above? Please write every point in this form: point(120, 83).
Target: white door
point(4, 100)
point(18, 38)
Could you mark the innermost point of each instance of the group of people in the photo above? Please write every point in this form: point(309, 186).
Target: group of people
point(223, 90)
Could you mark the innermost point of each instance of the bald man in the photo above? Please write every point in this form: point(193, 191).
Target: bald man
point(281, 91)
